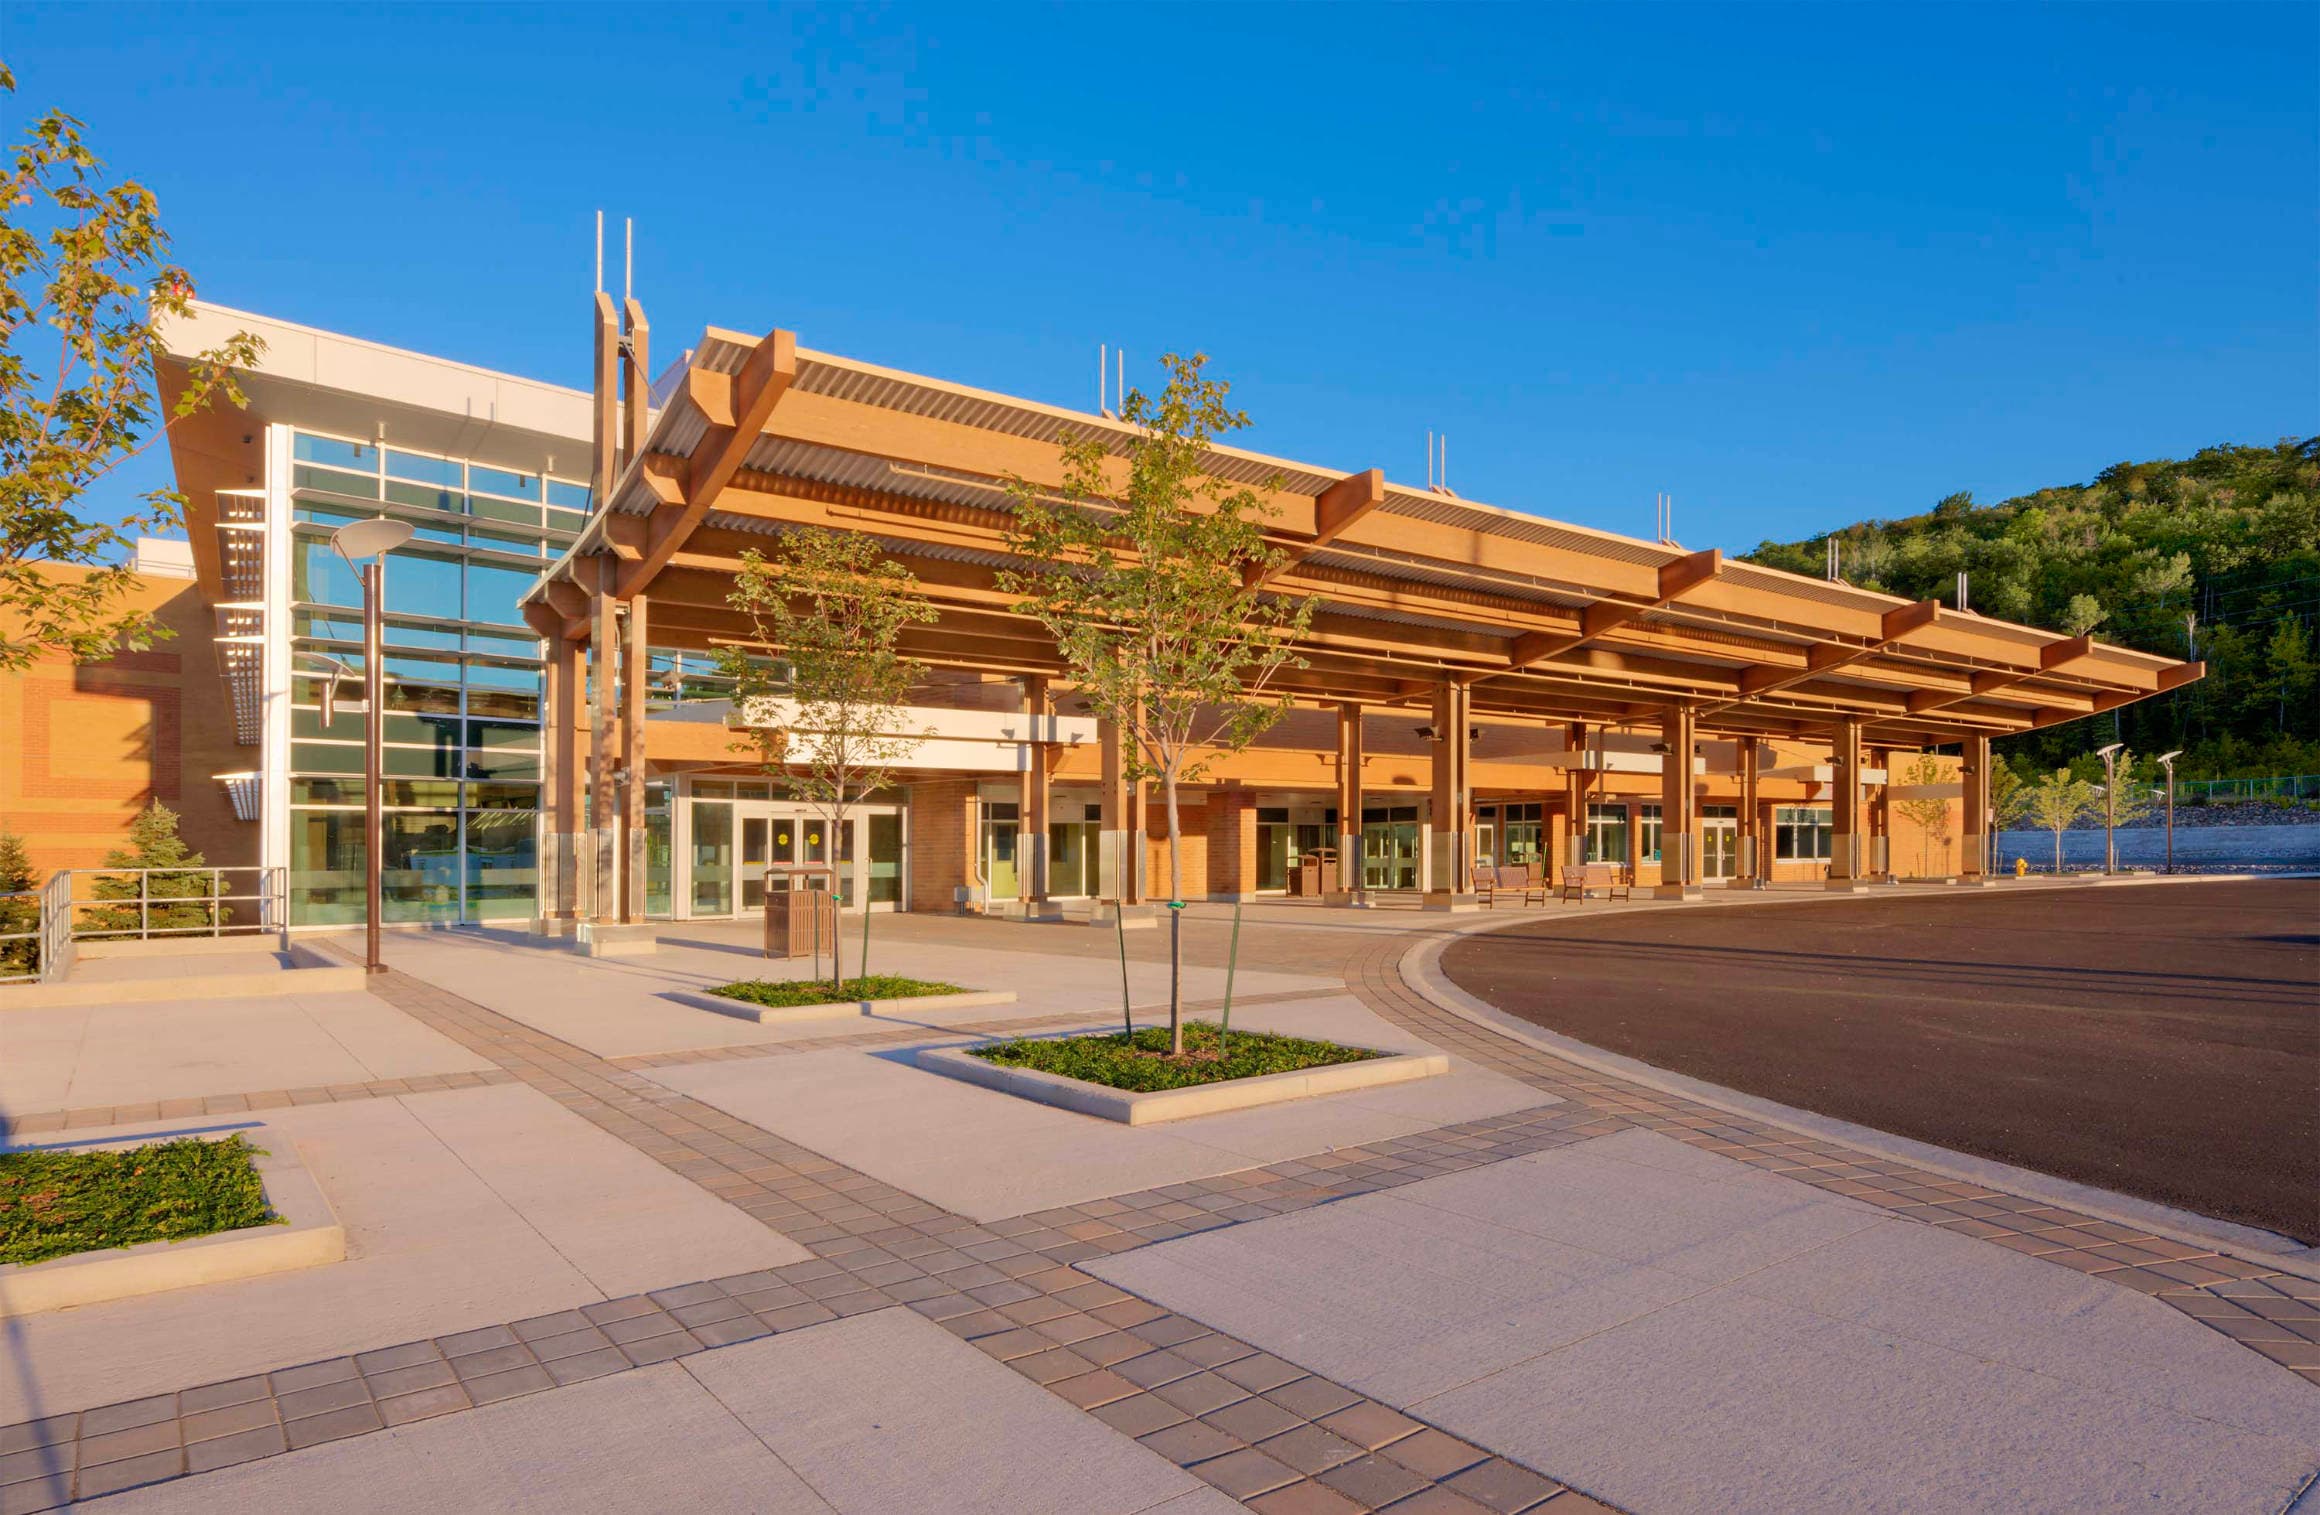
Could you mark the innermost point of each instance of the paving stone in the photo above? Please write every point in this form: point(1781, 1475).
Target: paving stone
point(1245, 1474)
point(1505, 1487)
point(1374, 1480)
point(1305, 1498)
point(1309, 1449)
point(1139, 1414)
point(136, 1441)
point(244, 1446)
point(1369, 1424)
point(128, 1473)
point(227, 1420)
point(1189, 1442)
point(423, 1404)
point(1435, 1454)
point(132, 1413)
point(332, 1425)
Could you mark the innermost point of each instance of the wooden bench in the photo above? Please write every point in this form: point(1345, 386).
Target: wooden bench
point(1527, 884)
point(1608, 877)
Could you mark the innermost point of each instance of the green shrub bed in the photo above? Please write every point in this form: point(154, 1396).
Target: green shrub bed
point(1141, 1064)
point(53, 1204)
point(783, 992)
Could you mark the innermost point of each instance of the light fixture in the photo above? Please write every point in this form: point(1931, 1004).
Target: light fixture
point(367, 539)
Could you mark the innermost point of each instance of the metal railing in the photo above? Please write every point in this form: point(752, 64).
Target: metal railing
point(2301, 786)
point(39, 941)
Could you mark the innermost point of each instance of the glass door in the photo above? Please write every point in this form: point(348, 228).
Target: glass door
point(1002, 836)
point(1389, 847)
point(765, 840)
point(883, 882)
point(712, 857)
point(1719, 841)
point(1071, 858)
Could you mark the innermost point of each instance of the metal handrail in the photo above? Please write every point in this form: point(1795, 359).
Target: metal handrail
point(266, 891)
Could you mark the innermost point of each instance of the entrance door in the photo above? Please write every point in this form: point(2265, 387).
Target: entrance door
point(765, 840)
point(1719, 841)
point(1389, 847)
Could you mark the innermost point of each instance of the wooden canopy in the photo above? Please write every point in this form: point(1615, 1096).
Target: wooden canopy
point(1531, 617)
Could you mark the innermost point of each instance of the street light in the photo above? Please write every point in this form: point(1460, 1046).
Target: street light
point(2167, 761)
point(2110, 757)
point(365, 545)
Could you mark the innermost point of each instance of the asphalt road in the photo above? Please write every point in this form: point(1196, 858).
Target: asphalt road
point(2161, 1040)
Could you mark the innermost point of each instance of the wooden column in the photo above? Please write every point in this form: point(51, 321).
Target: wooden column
point(1038, 791)
point(635, 676)
point(603, 746)
point(635, 380)
point(567, 770)
point(1346, 888)
point(1450, 853)
point(1974, 778)
point(1571, 842)
point(1755, 848)
point(1848, 845)
point(1679, 807)
point(1879, 804)
point(1120, 837)
point(605, 406)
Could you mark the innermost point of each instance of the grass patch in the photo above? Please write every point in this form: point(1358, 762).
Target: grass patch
point(821, 991)
point(53, 1204)
point(1141, 1064)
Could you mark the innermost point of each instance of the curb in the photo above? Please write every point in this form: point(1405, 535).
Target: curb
point(1420, 968)
point(776, 1015)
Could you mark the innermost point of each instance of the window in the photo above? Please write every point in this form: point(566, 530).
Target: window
point(1647, 831)
point(320, 576)
point(520, 486)
point(567, 496)
point(356, 455)
point(1607, 834)
point(1801, 833)
point(420, 583)
point(492, 594)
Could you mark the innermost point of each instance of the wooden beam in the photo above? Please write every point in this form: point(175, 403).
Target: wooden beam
point(1675, 578)
point(1826, 657)
point(1335, 511)
point(627, 536)
point(754, 392)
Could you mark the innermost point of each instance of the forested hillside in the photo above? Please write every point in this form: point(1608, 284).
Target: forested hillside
point(2216, 557)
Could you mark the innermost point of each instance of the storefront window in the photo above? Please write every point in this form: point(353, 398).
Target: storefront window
point(1607, 834)
point(1801, 833)
point(1647, 831)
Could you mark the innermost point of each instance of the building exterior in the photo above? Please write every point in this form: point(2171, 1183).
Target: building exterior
point(89, 746)
point(1484, 687)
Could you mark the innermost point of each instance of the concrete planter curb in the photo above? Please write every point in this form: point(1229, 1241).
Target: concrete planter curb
point(775, 1015)
point(310, 1234)
point(305, 971)
point(1134, 1109)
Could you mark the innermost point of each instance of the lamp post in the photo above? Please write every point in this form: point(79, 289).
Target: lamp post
point(365, 545)
point(2167, 761)
point(2110, 757)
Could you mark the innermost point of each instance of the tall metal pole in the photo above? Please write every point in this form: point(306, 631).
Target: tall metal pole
point(374, 765)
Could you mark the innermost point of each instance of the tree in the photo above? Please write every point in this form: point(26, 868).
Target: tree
point(1929, 813)
point(2289, 667)
point(2057, 802)
point(1150, 583)
point(155, 845)
point(2082, 615)
point(835, 607)
point(84, 284)
point(19, 911)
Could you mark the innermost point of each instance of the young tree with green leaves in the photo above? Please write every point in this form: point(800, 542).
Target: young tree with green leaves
point(835, 608)
point(1150, 583)
point(84, 284)
point(1928, 813)
point(2056, 803)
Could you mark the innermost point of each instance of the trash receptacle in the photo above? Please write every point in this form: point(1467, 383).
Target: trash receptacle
point(1314, 874)
point(801, 914)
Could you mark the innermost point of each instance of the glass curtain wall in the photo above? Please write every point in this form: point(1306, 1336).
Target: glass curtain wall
point(463, 682)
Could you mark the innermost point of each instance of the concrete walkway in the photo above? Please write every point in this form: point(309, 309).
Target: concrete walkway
point(1570, 1291)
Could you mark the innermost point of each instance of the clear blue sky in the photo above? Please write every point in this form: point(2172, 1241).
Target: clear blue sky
point(1796, 266)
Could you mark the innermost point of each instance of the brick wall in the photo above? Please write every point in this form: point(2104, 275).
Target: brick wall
point(942, 841)
point(1195, 817)
point(1232, 844)
point(86, 747)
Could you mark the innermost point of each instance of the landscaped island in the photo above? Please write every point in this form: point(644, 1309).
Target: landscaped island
point(781, 993)
point(55, 1204)
point(1141, 1064)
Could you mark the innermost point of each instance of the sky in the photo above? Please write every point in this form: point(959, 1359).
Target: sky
point(1794, 266)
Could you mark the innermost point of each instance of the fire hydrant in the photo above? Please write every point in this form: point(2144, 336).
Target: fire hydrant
point(2021, 867)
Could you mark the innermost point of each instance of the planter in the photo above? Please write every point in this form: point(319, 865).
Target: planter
point(309, 1234)
point(1145, 1109)
point(775, 1015)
